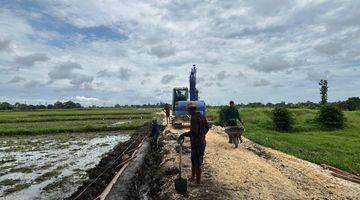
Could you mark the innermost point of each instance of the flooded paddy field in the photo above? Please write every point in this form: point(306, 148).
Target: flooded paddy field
point(65, 121)
point(45, 154)
point(51, 166)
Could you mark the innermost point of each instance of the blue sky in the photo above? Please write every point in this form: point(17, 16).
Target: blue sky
point(134, 52)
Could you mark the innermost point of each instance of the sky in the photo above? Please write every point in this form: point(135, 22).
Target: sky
point(134, 52)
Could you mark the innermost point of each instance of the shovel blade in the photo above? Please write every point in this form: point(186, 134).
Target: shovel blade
point(181, 185)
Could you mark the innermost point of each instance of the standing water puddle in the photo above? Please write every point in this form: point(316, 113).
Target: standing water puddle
point(50, 166)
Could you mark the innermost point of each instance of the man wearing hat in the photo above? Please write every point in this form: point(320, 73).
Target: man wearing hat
point(198, 129)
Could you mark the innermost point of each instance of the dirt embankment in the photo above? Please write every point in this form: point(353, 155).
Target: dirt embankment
point(250, 172)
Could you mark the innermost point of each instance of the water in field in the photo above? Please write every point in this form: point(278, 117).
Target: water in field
point(50, 166)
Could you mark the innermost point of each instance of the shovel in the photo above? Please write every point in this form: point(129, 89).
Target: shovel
point(180, 183)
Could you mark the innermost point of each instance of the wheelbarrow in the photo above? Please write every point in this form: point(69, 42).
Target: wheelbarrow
point(235, 133)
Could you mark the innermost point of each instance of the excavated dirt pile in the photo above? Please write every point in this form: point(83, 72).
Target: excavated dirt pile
point(148, 181)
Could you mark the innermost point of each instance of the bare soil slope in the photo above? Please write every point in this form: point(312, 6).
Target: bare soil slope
point(254, 172)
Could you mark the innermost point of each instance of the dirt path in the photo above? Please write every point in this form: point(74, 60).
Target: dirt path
point(256, 172)
point(253, 171)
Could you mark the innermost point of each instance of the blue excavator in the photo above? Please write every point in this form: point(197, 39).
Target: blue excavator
point(181, 99)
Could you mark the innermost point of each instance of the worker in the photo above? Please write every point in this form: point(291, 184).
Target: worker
point(231, 117)
point(154, 133)
point(167, 113)
point(198, 129)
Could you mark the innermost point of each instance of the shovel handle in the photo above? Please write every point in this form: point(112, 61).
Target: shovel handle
point(180, 160)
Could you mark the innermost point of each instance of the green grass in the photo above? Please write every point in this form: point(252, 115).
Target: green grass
point(79, 113)
point(338, 148)
point(16, 188)
point(9, 182)
point(25, 170)
point(67, 127)
point(76, 112)
point(47, 175)
point(75, 118)
point(68, 121)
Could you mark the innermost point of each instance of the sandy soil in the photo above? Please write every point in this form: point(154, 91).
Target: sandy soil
point(252, 172)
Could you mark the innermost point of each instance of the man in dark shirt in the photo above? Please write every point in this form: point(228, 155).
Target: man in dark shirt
point(231, 118)
point(198, 129)
point(232, 115)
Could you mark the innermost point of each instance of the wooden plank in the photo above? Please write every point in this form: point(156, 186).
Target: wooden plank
point(118, 174)
point(346, 177)
point(341, 173)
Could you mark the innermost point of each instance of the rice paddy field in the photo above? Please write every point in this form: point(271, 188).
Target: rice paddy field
point(45, 154)
point(338, 148)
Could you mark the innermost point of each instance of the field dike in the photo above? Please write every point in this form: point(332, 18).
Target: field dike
point(139, 178)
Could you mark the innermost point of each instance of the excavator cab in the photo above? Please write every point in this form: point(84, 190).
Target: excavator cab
point(179, 94)
point(181, 99)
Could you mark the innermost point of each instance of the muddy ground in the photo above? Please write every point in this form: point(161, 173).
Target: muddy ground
point(101, 175)
point(50, 166)
point(249, 172)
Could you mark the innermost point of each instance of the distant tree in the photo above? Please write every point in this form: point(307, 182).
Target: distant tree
point(22, 106)
point(269, 105)
point(78, 105)
point(323, 91)
point(70, 104)
point(5, 106)
point(58, 105)
point(255, 105)
point(17, 104)
point(117, 106)
point(283, 119)
point(353, 103)
point(331, 117)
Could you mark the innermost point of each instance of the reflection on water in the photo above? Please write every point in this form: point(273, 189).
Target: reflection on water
point(50, 166)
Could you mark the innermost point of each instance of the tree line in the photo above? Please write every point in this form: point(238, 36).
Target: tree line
point(351, 104)
point(23, 107)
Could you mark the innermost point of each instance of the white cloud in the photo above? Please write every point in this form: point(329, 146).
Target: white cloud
point(86, 99)
point(261, 82)
point(32, 84)
point(30, 60)
point(316, 76)
point(271, 64)
point(167, 78)
point(17, 79)
point(5, 45)
point(221, 75)
point(162, 50)
point(122, 73)
point(65, 71)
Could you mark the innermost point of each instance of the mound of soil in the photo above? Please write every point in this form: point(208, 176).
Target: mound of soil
point(148, 181)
